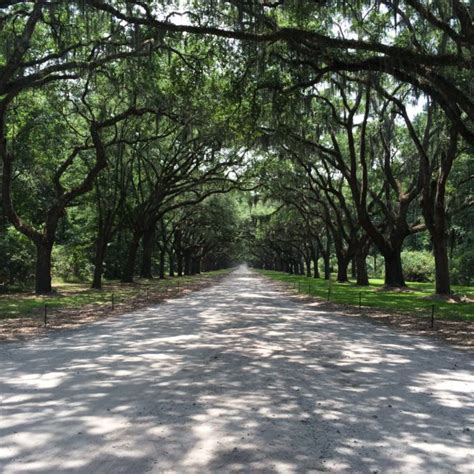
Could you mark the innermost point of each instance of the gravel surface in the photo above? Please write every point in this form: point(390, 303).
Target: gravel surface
point(235, 378)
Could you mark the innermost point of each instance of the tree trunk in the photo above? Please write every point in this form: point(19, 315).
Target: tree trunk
point(315, 258)
point(327, 257)
point(129, 267)
point(43, 268)
point(301, 266)
point(440, 250)
point(435, 218)
point(433, 206)
point(342, 264)
point(187, 263)
point(162, 263)
point(308, 266)
point(316, 269)
point(393, 270)
point(361, 269)
point(97, 278)
point(171, 261)
point(353, 269)
point(147, 257)
point(180, 265)
point(99, 257)
point(327, 267)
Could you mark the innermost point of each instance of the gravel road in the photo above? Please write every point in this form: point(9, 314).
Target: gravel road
point(235, 378)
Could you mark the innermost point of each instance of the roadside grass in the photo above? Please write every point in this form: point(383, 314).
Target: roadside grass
point(14, 304)
point(415, 301)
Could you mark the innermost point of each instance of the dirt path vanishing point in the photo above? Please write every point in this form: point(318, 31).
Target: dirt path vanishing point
point(235, 378)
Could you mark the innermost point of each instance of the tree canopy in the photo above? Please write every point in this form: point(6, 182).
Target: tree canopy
point(159, 137)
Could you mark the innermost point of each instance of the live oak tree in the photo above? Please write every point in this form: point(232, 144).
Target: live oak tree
point(172, 175)
point(51, 44)
point(438, 147)
point(322, 202)
point(207, 235)
point(44, 45)
point(436, 143)
point(70, 175)
point(358, 142)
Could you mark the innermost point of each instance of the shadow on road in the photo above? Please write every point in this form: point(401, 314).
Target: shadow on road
point(236, 378)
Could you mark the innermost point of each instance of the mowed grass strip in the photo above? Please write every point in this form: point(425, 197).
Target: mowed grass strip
point(417, 300)
point(75, 295)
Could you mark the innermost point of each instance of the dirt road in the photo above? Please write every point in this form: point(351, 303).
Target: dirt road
point(235, 378)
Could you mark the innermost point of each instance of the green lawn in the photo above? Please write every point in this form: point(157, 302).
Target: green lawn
point(414, 301)
point(74, 295)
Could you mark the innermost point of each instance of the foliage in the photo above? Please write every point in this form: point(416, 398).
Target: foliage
point(71, 263)
point(16, 258)
point(418, 265)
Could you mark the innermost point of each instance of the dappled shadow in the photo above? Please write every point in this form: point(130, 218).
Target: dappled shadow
point(236, 378)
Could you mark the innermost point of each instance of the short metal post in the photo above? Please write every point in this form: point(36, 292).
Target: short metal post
point(329, 293)
point(360, 299)
point(45, 314)
point(146, 290)
point(299, 287)
point(432, 315)
point(113, 302)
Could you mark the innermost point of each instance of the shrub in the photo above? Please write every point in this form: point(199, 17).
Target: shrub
point(17, 258)
point(418, 265)
point(71, 263)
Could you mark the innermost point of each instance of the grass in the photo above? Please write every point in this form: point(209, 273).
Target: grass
point(75, 295)
point(415, 301)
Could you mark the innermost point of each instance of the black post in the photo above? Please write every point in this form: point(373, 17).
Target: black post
point(299, 287)
point(360, 299)
point(113, 302)
point(329, 293)
point(45, 314)
point(432, 315)
point(146, 293)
